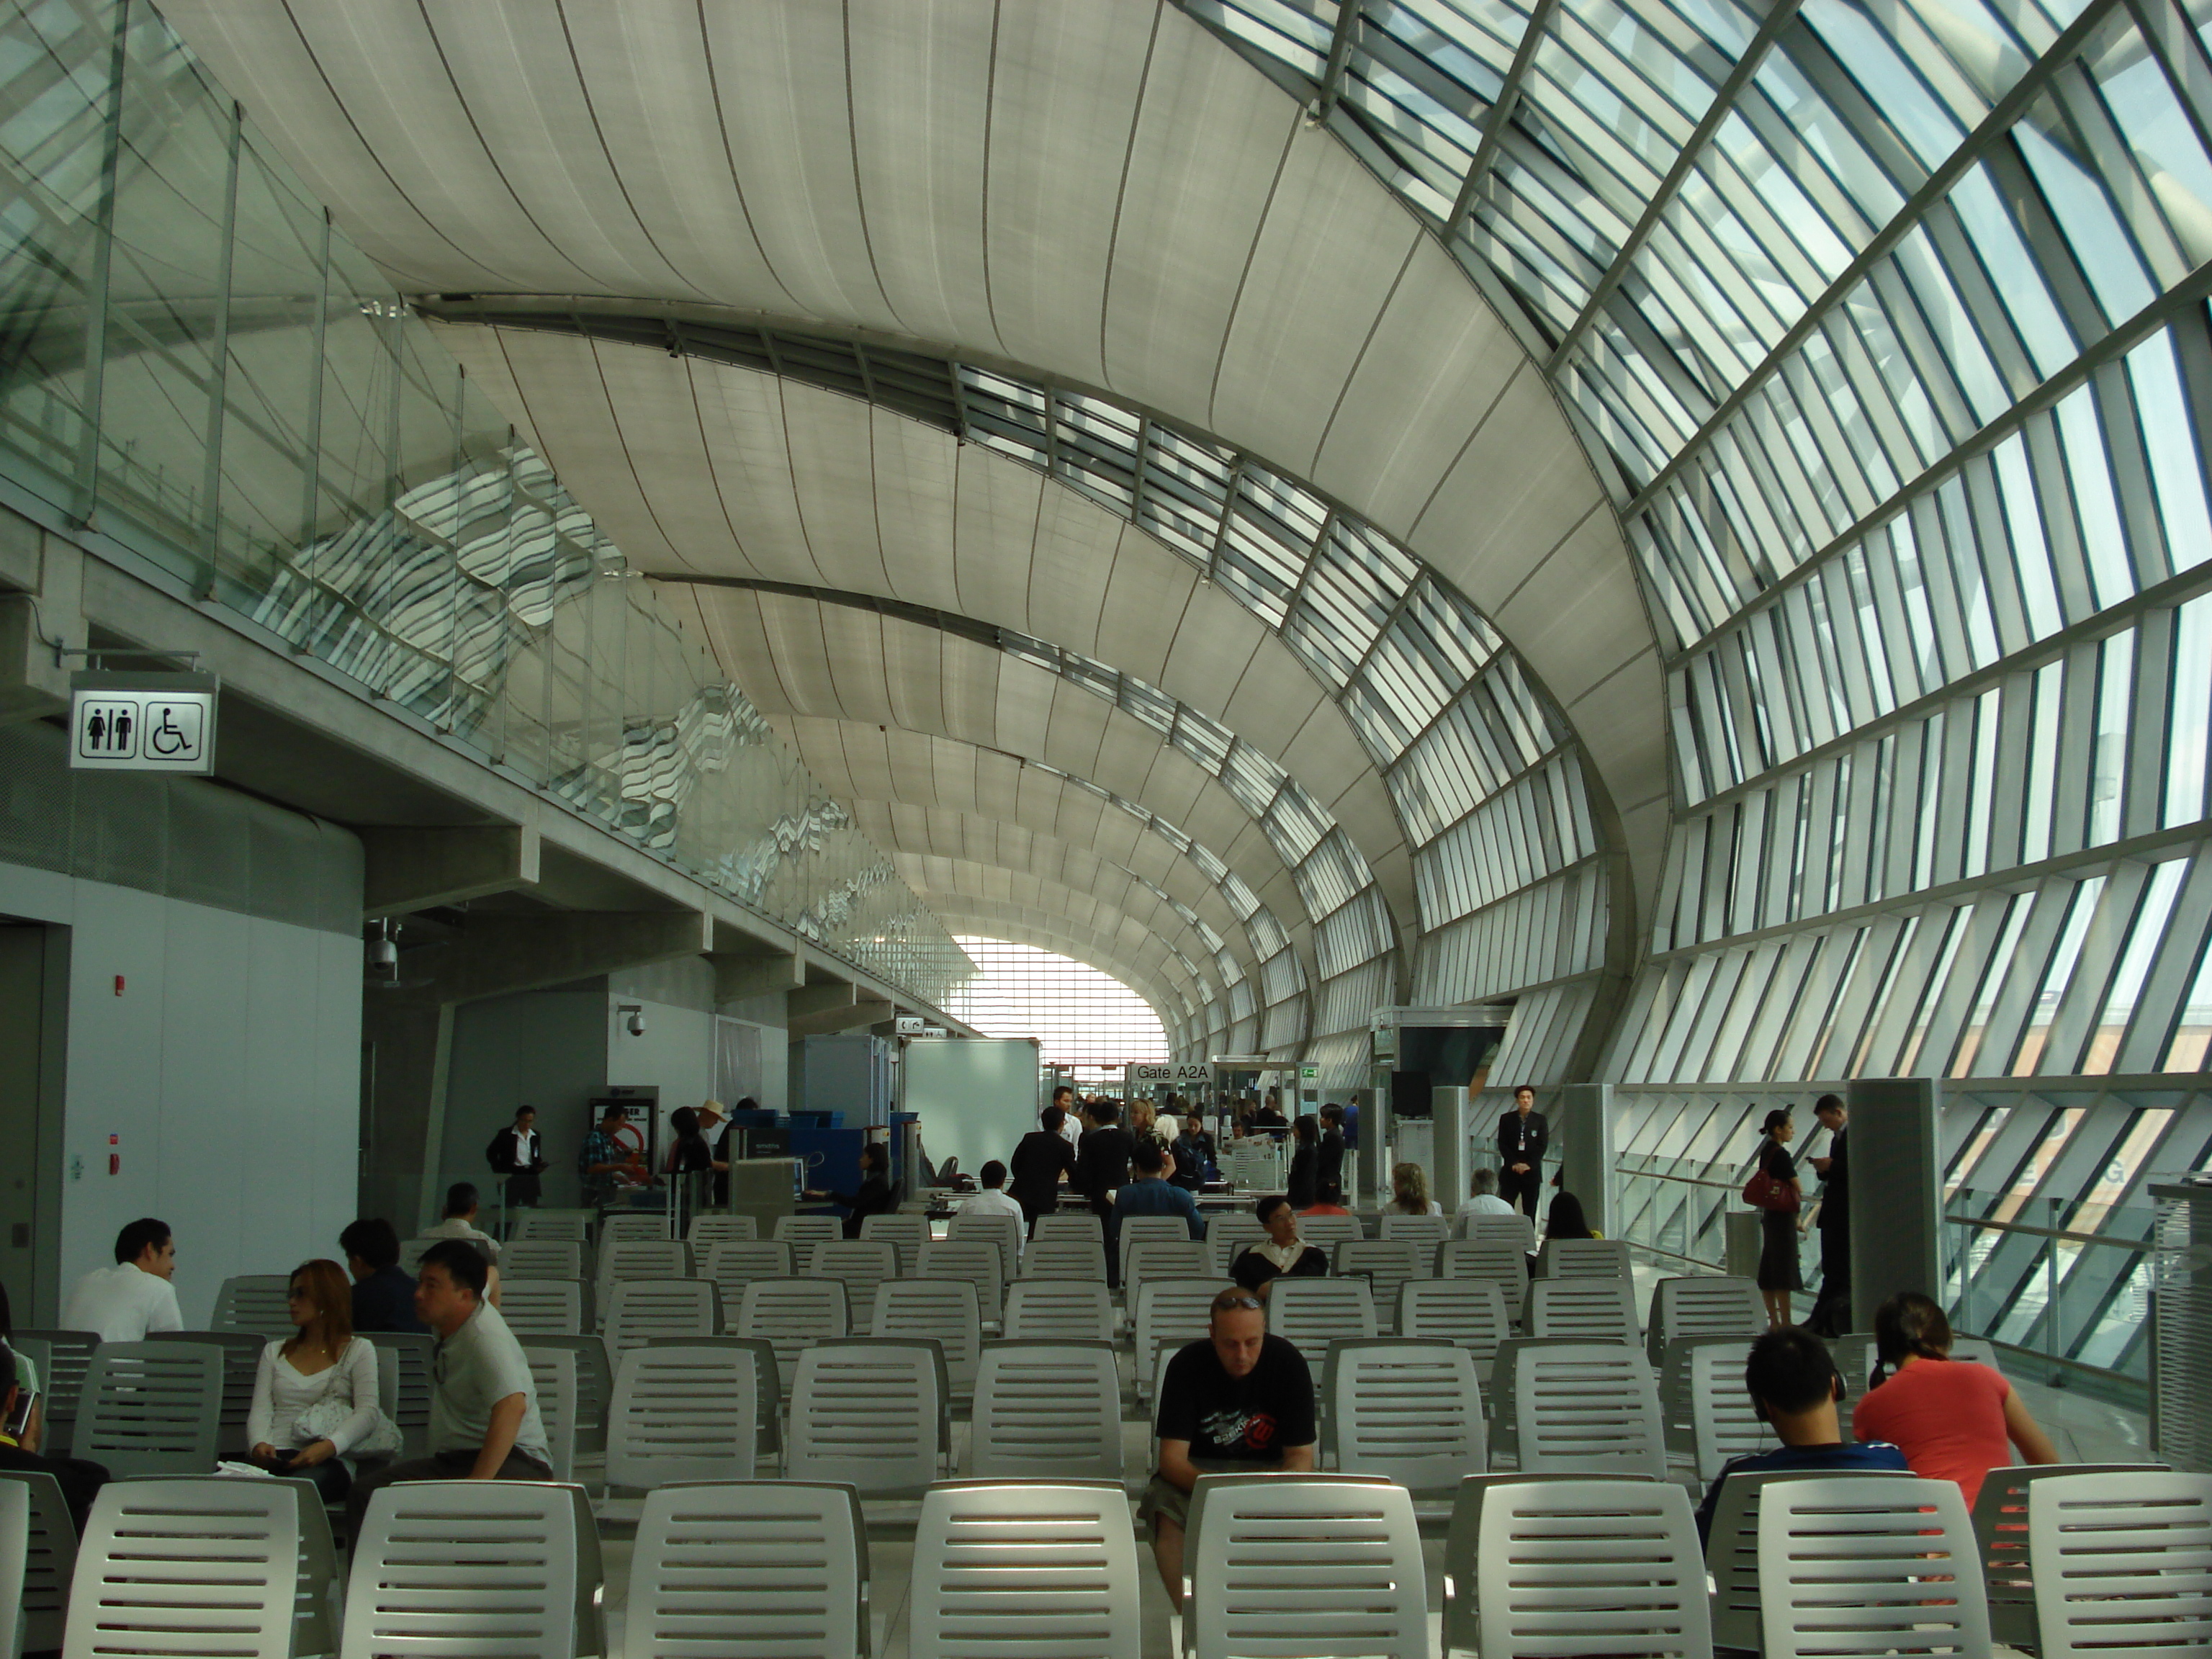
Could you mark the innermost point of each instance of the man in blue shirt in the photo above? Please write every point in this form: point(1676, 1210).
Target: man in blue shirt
point(1151, 1194)
point(1794, 1389)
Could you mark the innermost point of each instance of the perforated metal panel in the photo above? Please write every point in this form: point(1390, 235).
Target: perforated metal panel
point(2181, 1405)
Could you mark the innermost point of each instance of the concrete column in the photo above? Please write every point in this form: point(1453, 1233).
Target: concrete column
point(1447, 1180)
point(1896, 1192)
point(1369, 1171)
point(1582, 1121)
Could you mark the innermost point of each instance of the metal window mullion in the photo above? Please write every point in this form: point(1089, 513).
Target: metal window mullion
point(218, 377)
point(1501, 114)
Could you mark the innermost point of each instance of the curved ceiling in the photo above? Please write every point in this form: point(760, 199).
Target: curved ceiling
point(1101, 190)
point(1047, 932)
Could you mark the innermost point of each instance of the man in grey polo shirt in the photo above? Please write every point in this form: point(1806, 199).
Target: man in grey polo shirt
point(484, 1412)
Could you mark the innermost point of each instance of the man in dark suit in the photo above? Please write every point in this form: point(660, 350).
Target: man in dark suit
point(1832, 1311)
point(1102, 1166)
point(1522, 1135)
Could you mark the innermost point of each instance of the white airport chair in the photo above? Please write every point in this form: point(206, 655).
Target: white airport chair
point(1424, 1232)
point(1327, 1231)
point(789, 1314)
point(49, 1560)
point(1573, 1567)
point(1724, 1423)
point(804, 1232)
point(1732, 1548)
point(975, 1259)
point(2001, 1533)
point(771, 1569)
point(643, 1308)
point(621, 1259)
point(1583, 1408)
point(735, 1264)
point(1410, 1412)
point(1384, 1263)
point(1585, 1310)
point(1311, 1565)
point(940, 1310)
point(1033, 1568)
point(1313, 1313)
point(541, 1258)
point(543, 1307)
point(260, 1304)
point(1006, 1232)
point(859, 1265)
point(1583, 1258)
point(190, 1566)
point(1059, 1311)
point(1462, 1548)
point(1228, 1232)
point(633, 1226)
point(1677, 1398)
point(904, 1233)
point(405, 1382)
point(1071, 1223)
point(870, 1412)
point(707, 1231)
point(1487, 1260)
point(152, 1408)
point(1149, 1229)
point(553, 1379)
point(1468, 1311)
point(595, 1381)
point(446, 1567)
point(1856, 1356)
point(412, 1251)
point(1171, 1313)
point(684, 1413)
point(571, 1226)
point(2122, 1562)
point(14, 1563)
point(63, 1359)
point(1870, 1566)
point(1161, 1258)
point(1703, 1305)
point(1046, 1411)
point(1517, 1229)
point(1062, 1257)
point(241, 1361)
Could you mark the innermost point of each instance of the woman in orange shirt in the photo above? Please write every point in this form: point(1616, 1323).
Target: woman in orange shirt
point(1952, 1419)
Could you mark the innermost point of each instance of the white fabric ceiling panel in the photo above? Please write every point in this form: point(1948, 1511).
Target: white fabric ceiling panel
point(997, 790)
point(1075, 555)
point(913, 772)
point(1365, 812)
point(971, 684)
point(648, 396)
point(748, 470)
point(1567, 601)
point(832, 463)
point(1327, 255)
point(1076, 728)
point(1077, 816)
point(919, 473)
point(855, 643)
point(796, 665)
point(1024, 709)
point(1329, 760)
point(995, 513)
point(1146, 599)
point(1273, 699)
point(1215, 643)
point(919, 136)
point(915, 668)
point(1127, 749)
point(868, 759)
point(1202, 157)
point(1437, 359)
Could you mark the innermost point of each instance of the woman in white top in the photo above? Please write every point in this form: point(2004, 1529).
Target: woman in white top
point(1409, 1192)
point(321, 1372)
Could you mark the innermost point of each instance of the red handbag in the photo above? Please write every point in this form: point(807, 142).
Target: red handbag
point(1764, 1192)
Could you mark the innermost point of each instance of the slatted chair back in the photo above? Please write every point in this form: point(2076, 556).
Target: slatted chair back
point(1327, 1231)
point(804, 1232)
point(1586, 1309)
point(1228, 1232)
point(49, 1559)
point(1463, 1547)
point(768, 1385)
point(1584, 1408)
point(1856, 1356)
point(1149, 1230)
point(241, 1363)
point(1410, 1412)
point(683, 1413)
point(1724, 1423)
point(466, 1566)
point(621, 1259)
point(1703, 1305)
point(1492, 1261)
point(904, 1233)
point(1059, 1311)
point(789, 1314)
point(543, 1258)
point(573, 1226)
point(546, 1307)
point(15, 1560)
point(940, 1310)
point(633, 1226)
point(187, 1566)
point(1517, 1229)
point(1677, 1399)
point(1031, 1569)
point(1064, 1258)
point(1861, 1566)
point(1047, 1411)
point(642, 1309)
point(1304, 1565)
point(1161, 1258)
point(2001, 1533)
point(403, 1378)
point(1006, 1232)
point(859, 1265)
point(1470, 1312)
point(1590, 1566)
point(260, 1304)
point(62, 1373)
point(975, 1259)
point(412, 1251)
point(870, 1412)
point(776, 1570)
point(2121, 1561)
point(1070, 1223)
point(1171, 1313)
point(1313, 1313)
point(1582, 1258)
point(595, 1381)
point(1732, 1556)
point(553, 1376)
point(707, 1231)
point(1424, 1232)
point(735, 1264)
point(1385, 1264)
point(152, 1408)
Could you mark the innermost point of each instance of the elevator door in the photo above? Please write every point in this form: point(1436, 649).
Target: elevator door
point(26, 1230)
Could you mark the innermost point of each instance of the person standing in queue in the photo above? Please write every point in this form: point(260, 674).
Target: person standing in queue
point(1042, 1159)
point(1194, 1154)
point(1778, 1275)
point(1522, 1137)
point(1102, 1162)
point(515, 1153)
point(1329, 1167)
point(1831, 1310)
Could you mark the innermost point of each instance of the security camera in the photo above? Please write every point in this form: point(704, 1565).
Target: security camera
point(383, 953)
point(634, 1020)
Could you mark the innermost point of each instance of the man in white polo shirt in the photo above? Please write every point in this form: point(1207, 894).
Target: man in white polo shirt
point(484, 1424)
point(127, 1302)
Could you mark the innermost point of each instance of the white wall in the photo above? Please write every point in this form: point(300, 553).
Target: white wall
point(676, 1053)
point(229, 1067)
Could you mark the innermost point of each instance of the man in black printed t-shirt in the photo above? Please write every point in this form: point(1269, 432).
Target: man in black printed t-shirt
point(1239, 1402)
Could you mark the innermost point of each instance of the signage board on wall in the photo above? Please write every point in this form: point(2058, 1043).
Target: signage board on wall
point(1177, 1077)
point(909, 1025)
point(141, 722)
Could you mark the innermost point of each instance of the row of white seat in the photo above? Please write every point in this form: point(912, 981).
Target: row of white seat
point(2073, 1562)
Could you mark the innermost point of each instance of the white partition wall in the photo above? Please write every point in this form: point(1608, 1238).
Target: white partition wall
point(977, 1096)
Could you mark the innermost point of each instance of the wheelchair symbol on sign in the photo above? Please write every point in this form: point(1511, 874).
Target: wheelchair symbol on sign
point(166, 738)
point(172, 731)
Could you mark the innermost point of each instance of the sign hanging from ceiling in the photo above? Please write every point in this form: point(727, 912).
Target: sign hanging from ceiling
point(1140, 1078)
point(122, 722)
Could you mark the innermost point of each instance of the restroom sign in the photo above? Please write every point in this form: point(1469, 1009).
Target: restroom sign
point(143, 722)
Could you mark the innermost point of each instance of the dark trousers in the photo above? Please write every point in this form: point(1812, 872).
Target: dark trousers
point(439, 1466)
point(1832, 1312)
point(1522, 1192)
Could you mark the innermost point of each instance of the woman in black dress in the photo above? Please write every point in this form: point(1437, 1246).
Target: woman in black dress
point(1305, 1165)
point(1778, 1251)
